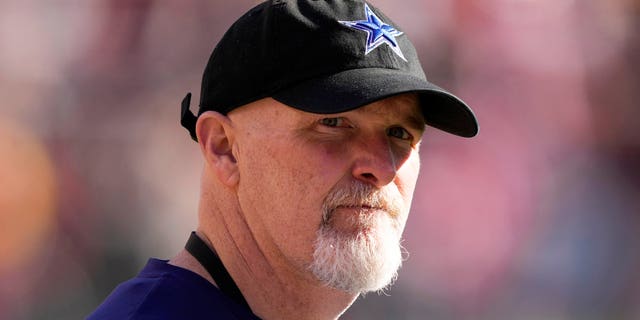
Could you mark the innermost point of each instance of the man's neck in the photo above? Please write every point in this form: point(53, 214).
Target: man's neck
point(186, 261)
point(272, 292)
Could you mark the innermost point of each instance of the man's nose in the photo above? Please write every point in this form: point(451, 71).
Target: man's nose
point(374, 161)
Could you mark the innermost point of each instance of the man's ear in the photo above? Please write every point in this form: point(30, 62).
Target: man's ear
point(216, 138)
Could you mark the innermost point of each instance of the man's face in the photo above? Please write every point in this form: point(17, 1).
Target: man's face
point(327, 196)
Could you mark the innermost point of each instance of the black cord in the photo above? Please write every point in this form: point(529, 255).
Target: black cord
point(210, 261)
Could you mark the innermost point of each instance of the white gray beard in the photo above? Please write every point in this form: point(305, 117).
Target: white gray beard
point(366, 259)
point(357, 263)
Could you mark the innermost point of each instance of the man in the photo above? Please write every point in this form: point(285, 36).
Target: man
point(310, 121)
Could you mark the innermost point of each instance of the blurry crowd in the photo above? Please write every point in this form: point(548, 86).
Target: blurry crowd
point(536, 218)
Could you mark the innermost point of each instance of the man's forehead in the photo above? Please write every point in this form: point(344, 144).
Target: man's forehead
point(404, 107)
point(402, 103)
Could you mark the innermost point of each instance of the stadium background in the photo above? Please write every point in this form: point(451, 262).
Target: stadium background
point(536, 218)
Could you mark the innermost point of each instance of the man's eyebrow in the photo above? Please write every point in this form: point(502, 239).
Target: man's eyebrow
point(415, 122)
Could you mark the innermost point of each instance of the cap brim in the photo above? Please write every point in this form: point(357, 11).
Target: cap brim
point(351, 89)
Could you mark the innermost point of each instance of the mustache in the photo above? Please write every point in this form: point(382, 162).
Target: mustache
point(360, 194)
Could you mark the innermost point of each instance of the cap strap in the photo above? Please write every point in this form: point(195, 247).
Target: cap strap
point(187, 119)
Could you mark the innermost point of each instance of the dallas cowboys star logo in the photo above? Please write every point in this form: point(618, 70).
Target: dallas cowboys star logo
point(378, 32)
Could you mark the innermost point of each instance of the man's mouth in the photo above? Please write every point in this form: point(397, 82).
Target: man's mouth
point(356, 218)
point(361, 209)
point(364, 207)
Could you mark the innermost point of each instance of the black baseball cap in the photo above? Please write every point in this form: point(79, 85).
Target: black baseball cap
point(321, 56)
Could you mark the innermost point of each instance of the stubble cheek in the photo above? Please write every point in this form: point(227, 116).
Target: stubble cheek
point(291, 196)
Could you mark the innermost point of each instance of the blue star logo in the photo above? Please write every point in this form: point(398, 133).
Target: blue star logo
point(378, 32)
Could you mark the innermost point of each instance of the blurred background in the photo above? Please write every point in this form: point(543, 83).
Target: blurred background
point(536, 218)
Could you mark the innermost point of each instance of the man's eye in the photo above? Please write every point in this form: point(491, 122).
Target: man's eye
point(400, 133)
point(333, 122)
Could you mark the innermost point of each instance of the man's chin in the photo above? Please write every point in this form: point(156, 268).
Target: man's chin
point(359, 259)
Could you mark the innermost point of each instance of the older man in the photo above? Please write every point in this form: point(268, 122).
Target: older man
point(310, 122)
